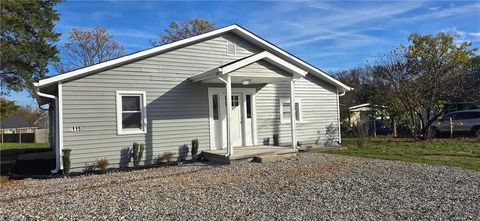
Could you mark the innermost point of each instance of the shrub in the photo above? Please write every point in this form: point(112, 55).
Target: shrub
point(102, 164)
point(137, 153)
point(194, 148)
point(360, 135)
point(168, 156)
point(66, 160)
point(276, 141)
point(299, 144)
point(266, 141)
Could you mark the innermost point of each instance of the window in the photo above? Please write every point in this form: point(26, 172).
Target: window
point(235, 101)
point(131, 113)
point(231, 48)
point(215, 106)
point(249, 105)
point(285, 111)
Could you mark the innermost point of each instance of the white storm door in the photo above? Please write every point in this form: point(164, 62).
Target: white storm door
point(236, 124)
point(248, 109)
point(216, 121)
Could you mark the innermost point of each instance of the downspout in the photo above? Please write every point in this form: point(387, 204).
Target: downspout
point(338, 114)
point(229, 152)
point(57, 143)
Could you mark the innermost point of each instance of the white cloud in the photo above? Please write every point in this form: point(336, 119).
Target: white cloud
point(452, 11)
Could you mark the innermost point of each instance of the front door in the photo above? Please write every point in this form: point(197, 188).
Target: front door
point(236, 123)
point(242, 124)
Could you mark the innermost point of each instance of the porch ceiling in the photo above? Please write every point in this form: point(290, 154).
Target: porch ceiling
point(212, 76)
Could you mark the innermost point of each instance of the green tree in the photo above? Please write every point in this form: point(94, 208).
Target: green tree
point(178, 31)
point(86, 47)
point(425, 75)
point(7, 108)
point(27, 42)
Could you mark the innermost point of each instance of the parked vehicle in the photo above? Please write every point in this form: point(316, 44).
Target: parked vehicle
point(466, 121)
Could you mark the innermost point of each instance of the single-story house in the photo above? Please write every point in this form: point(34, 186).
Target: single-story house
point(228, 88)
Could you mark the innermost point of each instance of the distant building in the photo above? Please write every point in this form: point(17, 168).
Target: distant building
point(15, 121)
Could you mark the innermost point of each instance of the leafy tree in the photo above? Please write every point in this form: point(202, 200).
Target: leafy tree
point(178, 31)
point(27, 42)
point(473, 82)
point(86, 47)
point(425, 75)
point(7, 108)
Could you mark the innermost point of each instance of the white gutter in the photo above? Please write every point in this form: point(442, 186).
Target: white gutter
point(57, 144)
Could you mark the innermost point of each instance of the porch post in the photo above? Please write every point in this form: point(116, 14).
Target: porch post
point(293, 122)
point(229, 115)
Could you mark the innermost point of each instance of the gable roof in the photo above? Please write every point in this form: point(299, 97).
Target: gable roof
point(234, 65)
point(249, 36)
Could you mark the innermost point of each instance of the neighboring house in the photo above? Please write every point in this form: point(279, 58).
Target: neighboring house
point(15, 121)
point(168, 95)
point(362, 114)
point(359, 115)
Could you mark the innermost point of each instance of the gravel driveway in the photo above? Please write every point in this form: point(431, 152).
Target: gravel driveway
point(310, 187)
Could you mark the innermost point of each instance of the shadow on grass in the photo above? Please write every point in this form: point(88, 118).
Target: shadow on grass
point(9, 156)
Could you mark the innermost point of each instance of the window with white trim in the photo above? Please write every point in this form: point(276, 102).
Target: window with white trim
point(285, 111)
point(131, 112)
point(231, 48)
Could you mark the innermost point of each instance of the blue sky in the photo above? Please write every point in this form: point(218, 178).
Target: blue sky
point(330, 35)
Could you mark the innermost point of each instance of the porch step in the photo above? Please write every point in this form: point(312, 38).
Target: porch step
point(273, 158)
point(251, 154)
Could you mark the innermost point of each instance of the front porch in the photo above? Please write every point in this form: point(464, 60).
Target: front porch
point(247, 154)
point(232, 109)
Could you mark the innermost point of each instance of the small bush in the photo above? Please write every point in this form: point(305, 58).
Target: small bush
point(266, 141)
point(66, 161)
point(102, 164)
point(168, 156)
point(299, 144)
point(276, 141)
point(137, 153)
point(194, 148)
point(360, 135)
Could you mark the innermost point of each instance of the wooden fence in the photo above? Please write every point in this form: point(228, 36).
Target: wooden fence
point(24, 135)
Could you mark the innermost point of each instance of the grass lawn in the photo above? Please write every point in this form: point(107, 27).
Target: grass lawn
point(459, 152)
point(10, 151)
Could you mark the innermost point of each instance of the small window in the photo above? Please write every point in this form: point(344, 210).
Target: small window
point(231, 48)
point(215, 106)
point(249, 106)
point(235, 101)
point(131, 114)
point(285, 111)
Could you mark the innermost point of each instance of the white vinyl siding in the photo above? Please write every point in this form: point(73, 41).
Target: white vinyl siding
point(176, 108)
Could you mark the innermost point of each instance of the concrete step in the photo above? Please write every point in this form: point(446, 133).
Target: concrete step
point(248, 155)
point(273, 158)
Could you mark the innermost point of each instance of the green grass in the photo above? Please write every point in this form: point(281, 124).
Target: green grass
point(10, 151)
point(5, 146)
point(463, 152)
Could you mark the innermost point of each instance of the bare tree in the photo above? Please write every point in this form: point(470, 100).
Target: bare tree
point(30, 113)
point(178, 31)
point(86, 47)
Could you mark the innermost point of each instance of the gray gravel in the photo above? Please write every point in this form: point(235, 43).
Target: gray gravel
point(310, 187)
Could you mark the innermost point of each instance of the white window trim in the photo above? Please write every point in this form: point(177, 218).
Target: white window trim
point(234, 48)
point(143, 106)
point(287, 100)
